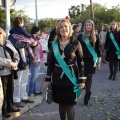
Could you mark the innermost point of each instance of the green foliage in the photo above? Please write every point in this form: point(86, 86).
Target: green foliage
point(101, 14)
point(47, 25)
point(13, 14)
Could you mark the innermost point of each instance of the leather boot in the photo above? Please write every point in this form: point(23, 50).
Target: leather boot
point(87, 97)
point(111, 75)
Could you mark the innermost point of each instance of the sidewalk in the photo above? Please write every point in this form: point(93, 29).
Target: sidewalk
point(38, 100)
point(104, 103)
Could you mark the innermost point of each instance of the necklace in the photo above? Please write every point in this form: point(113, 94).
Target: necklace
point(63, 45)
point(63, 54)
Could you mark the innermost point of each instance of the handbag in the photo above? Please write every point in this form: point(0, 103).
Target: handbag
point(15, 74)
point(49, 94)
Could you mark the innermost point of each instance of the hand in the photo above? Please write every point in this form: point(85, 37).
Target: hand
point(82, 85)
point(13, 65)
point(35, 62)
point(47, 84)
point(34, 35)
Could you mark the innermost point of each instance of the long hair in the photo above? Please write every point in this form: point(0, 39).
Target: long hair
point(92, 33)
point(116, 26)
point(58, 36)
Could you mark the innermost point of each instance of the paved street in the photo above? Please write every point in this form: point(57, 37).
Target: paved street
point(104, 103)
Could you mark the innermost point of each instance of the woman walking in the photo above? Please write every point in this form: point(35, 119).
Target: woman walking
point(112, 47)
point(91, 50)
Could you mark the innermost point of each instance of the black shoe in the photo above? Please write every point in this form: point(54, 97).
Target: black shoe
point(110, 77)
point(6, 115)
point(19, 104)
point(13, 110)
point(28, 101)
point(86, 99)
point(37, 93)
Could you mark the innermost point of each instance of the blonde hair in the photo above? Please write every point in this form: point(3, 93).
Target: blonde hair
point(58, 36)
point(116, 26)
point(92, 34)
point(2, 32)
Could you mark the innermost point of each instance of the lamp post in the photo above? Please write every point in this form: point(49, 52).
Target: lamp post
point(7, 4)
point(92, 12)
point(36, 13)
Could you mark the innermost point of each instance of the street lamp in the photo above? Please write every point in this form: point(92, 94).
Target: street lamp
point(36, 12)
point(92, 12)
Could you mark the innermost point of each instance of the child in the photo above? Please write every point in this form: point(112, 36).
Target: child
point(23, 38)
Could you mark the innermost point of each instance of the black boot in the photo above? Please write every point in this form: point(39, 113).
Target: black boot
point(89, 94)
point(115, 70)
point(111, 74)
point(87, 97)
point(114, 78)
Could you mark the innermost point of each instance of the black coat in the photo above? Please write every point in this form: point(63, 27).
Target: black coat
point(51, 37)
point(111, 55)
point(88, 58)
point(73, 55)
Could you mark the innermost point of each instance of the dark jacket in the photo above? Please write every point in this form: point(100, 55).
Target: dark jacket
point(87, 55)
point(51, 37)
point(74, 57)
point(27, 54)
point(111, 55)
point(20, 31)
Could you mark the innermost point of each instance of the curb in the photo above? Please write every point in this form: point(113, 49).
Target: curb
point(38, 100)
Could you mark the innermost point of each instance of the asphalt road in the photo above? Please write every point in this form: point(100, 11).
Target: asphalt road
point(104, 103)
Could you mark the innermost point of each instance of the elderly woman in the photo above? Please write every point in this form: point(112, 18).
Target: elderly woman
point(66, 68)
point(9, 59)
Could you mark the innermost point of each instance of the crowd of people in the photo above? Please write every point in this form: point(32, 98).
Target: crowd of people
point(18, 53)
point(75, 53)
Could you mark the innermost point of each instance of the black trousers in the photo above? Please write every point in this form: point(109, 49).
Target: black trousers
point(8, 89)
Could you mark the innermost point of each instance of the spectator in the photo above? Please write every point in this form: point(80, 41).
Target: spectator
point(9, 59)
point(35, 64)
point(102, 36)
point(19, 33)
point(1, 99)
point(75, 31)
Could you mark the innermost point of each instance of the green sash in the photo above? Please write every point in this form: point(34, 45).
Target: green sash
point(92, 51)
point(116, 45)
point(66, 69)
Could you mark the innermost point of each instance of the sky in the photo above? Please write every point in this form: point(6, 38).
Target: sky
point(55, 8)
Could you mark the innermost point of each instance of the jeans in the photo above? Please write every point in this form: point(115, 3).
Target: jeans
point(32, 80)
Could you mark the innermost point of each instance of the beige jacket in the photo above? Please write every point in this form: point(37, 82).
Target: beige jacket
point(5, 62)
